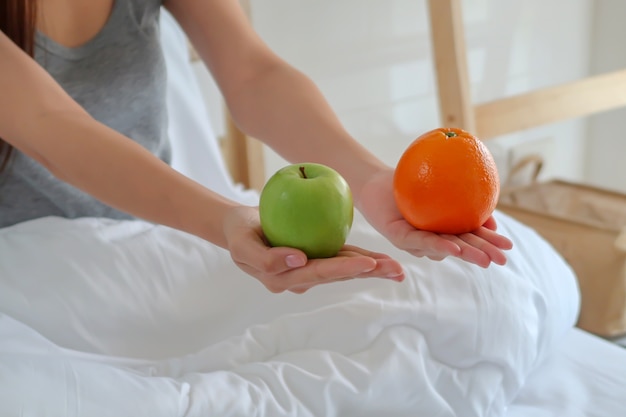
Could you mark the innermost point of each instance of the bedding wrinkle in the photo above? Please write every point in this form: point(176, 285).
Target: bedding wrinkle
point(72, 392)
point(451, 341)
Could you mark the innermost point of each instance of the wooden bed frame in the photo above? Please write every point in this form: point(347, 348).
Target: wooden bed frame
point(243, 154)
point(487, 120)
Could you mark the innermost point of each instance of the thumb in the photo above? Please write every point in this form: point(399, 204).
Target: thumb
point(256, 254)
point(282, 259)
point(491, 224)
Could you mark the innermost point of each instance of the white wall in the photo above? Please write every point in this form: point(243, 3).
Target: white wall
point(372, 60)
point(606, 160)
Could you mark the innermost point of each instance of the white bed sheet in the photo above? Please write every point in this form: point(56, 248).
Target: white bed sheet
point(584, 377)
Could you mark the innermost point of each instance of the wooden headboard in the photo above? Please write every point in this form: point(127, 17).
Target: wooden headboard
point(579, 98)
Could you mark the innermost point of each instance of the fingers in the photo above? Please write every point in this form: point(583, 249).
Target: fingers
point(386, 266)
point(481, 247)
point(491, 224)
point(478, 251)
point(252, 250)
point(439, 246)
point(286, 269)
point(324, 272)
point(422, 243)
point(494, 238)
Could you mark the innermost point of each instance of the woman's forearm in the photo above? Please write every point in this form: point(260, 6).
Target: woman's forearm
point(124, 175)
point(284, 109)
point(268, 98)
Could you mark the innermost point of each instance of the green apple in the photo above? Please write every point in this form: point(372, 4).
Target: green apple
point(307, 206)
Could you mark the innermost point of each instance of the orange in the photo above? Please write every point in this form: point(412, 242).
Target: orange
point(446, 181)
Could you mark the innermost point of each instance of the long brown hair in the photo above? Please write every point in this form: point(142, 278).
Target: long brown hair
point(18, 19)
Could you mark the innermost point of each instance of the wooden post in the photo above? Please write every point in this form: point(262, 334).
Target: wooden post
point(244, 155)
point(590, 95)
point(448, 43)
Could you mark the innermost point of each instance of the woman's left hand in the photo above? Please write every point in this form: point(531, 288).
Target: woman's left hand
point(288, 269)
point(481, 247)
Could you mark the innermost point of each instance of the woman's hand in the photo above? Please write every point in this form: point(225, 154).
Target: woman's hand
point(376, 202)
point(286, 269)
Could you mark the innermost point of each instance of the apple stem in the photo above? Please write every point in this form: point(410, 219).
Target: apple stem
point(302, 171)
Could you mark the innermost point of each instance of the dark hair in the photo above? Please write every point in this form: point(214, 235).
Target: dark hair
point(18, 19)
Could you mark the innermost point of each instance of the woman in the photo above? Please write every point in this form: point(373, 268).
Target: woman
point(84, 135)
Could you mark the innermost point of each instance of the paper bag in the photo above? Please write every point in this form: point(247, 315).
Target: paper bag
point(587, 226)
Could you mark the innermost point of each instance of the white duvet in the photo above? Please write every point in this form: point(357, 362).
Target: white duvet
point(107, 318)
point(124, 318)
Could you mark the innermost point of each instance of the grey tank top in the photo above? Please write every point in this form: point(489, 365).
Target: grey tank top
point(119, 78)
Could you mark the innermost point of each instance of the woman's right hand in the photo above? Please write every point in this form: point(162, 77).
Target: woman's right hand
point(481, 247)
point(282, 269)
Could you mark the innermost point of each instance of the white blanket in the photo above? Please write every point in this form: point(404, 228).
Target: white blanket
point(104, 318)
point(110, 318)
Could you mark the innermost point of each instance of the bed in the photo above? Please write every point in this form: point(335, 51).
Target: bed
point(124, 318)
point(583, 377)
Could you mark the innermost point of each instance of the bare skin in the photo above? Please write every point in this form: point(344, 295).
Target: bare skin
point(269, 100)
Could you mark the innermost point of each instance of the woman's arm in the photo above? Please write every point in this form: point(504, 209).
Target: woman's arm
point(41, 120)
point(269, 99)
point(276, 103)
